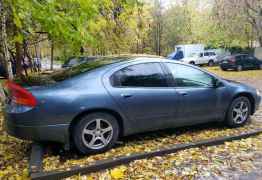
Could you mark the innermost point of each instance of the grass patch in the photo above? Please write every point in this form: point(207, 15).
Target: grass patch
point(235, 74)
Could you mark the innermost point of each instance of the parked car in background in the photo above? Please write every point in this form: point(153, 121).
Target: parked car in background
point(220, 54)
point(74, 61)
point(202, 58)
point(184, 51)
point(124, 96)
point(240, 62)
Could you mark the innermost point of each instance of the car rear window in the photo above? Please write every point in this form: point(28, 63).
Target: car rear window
point(63, 74)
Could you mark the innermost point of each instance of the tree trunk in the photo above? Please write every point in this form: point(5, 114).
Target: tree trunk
point(18, 59)
point(260, 41)
point(6, 55)
point(52, 56)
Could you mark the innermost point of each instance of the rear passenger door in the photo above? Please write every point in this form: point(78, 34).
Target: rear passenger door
point(144, 96)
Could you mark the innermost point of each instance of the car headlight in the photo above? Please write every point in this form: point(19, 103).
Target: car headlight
point(258, 93)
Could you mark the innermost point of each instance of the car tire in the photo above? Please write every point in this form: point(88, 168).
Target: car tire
point(192, 63)
point(95, 133)
point(239, 112)
point(239, 68)
point(224, 69)
point(211, 63)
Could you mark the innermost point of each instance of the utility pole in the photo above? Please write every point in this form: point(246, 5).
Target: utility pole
point(4, 47)
point(158, 26)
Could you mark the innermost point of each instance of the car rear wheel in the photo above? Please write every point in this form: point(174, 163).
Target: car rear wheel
point(95, 133)
point(238, 112)
point(192, 62)
point(211, 62)
point(239, 68)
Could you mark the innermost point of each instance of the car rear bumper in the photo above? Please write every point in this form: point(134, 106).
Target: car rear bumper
point(40, 133)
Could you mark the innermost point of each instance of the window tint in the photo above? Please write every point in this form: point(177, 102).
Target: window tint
point(140, 75)
point(212, 53)
point(206, 54)
point(251, 58)
point(244, 57)
point(73, 61)
point(239, 58)
point(186, 76)
point(179, 55)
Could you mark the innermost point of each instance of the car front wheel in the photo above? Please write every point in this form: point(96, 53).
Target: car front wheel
point(238, 112)
point(95, 133)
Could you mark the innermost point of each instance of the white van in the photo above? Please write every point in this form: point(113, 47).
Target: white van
point(184, 51)
point(200, 58)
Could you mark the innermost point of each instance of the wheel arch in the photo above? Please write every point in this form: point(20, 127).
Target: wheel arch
point(250, 98)
point(118, 117)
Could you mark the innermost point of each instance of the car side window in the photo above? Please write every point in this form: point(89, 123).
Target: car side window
point(186, 76)
point(140, 75)
point(251, 58)
point(206, 54)
point(244, 57)
point(212, 53)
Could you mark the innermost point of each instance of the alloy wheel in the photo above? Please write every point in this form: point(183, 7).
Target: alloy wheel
point(239, 68)
point(97, 134)
point(240, 112)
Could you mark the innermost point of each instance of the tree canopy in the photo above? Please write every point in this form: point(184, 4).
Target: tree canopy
point(102, 27)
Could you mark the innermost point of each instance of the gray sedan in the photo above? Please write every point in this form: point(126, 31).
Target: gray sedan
point(92, 107)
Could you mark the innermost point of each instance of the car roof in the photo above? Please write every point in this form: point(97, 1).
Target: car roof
point(240, 54)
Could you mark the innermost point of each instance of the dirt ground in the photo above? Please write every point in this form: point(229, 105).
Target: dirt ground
point(233, 160)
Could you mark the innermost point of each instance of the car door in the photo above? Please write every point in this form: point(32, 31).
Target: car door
point(199, 99)
point(252, 62)
point(142, 92)
point(200, 59)
point(206, 57)
point(245, 62)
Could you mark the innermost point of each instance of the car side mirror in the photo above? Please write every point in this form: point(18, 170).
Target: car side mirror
point(217, 83)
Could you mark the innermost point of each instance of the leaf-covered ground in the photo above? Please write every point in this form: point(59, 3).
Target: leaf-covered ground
point(229, 161)
point(148, 142)
point(14, 155)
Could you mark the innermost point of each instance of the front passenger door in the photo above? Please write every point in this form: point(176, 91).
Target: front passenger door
point(199, 99)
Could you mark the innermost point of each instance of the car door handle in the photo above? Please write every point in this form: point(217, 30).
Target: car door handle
point(126, 95)
point(183, 93)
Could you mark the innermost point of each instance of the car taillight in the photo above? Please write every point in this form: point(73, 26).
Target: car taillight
point(232, 60)
point(19, 95)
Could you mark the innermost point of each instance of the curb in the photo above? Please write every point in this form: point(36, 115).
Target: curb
point(110, 163)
